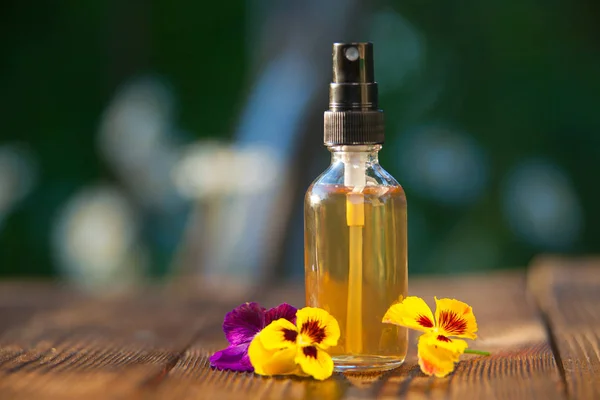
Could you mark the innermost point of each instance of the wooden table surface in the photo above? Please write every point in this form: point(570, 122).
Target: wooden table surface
point(542, 327)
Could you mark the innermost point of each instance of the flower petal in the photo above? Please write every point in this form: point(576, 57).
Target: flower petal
point(318, 327)
point(434, 359)
point(272, 362)
point(234, 358)
point(280, 334)
point(455, 346)
point(243, 323)
point(281, 311)
point(412, 312)
point(455, 318)
point(315, 362)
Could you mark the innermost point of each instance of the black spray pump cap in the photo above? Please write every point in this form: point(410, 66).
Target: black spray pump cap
point(353, 117)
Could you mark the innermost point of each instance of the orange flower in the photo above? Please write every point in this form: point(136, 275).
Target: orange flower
point(438, 350)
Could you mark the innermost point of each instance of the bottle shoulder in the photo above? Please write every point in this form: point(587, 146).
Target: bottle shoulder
point(384, 177)
point(380, 186)
point(376, 175)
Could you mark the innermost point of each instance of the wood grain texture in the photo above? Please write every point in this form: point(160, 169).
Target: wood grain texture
point(522, 365)
point(156, 344)
point(568, 293)
point(101, 348)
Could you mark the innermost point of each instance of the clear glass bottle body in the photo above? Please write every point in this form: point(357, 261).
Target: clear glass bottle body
point(356, 267)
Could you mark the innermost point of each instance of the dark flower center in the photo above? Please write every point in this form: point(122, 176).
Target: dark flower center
point(310, 351)
point(312, 329)
point(290, 335)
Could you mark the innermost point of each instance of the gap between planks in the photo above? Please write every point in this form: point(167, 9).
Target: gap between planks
point(567, 291)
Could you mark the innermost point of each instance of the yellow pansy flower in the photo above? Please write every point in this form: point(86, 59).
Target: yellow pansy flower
point(438, 348)
point(283, 348)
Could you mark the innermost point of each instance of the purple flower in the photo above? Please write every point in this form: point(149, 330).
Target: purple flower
point(240, 326)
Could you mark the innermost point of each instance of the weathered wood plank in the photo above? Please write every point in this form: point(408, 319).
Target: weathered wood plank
point(20, 301)
point(522, 365)
point(111, 347)
point(156, 345)
point(80, 371)
point(568, 293)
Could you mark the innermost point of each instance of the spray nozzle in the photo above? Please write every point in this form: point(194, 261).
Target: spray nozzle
point(353, 63)
point(353, 86)
point(353, 117)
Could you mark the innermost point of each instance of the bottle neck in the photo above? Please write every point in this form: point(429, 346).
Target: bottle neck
point(367, 153)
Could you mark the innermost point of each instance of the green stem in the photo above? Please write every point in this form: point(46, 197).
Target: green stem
point(481, 353)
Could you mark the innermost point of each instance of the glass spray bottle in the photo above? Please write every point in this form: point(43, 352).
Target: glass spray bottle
point(355, 222)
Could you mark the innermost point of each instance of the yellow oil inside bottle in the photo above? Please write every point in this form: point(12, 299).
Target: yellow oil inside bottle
point(377, 346)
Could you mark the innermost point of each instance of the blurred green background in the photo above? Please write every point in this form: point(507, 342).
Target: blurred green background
point(492, 129)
